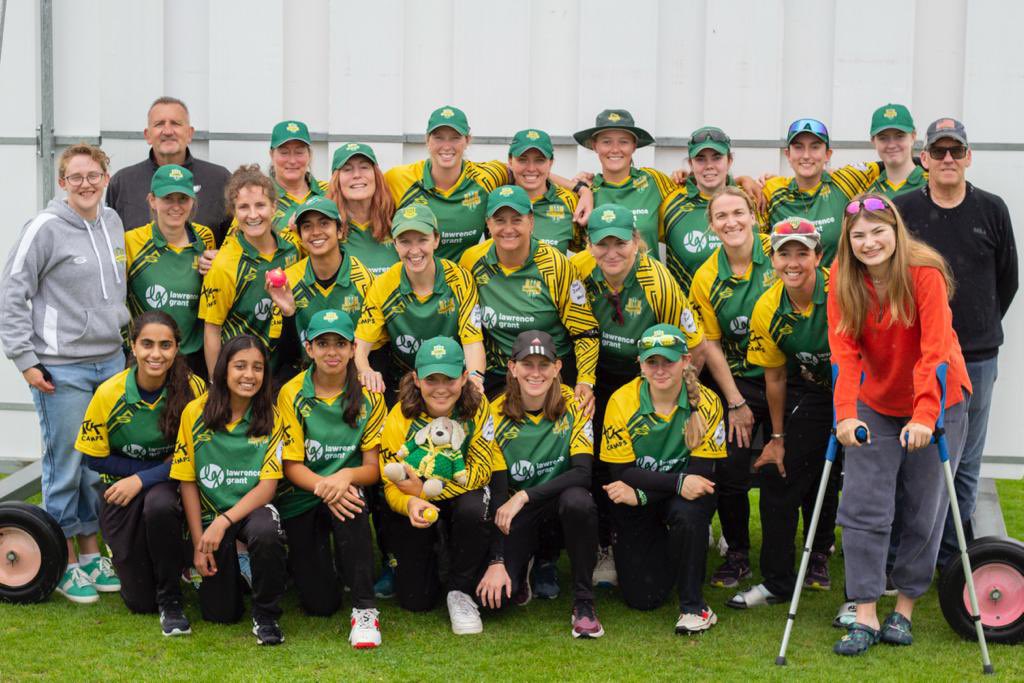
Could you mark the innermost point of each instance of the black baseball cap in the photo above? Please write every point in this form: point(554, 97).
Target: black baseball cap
point(533, 343)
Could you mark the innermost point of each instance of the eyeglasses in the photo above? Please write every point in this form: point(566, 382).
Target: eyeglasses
point(794, 226)
point(713, 134)
point(939, 153)
point(660, 340)
point(866, 204)
point(77, 179)
point(807, 126)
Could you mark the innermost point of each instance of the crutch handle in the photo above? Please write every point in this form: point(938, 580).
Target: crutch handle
point(861, 434)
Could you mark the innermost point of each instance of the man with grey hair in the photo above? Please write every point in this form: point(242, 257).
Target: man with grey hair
point(169, 132)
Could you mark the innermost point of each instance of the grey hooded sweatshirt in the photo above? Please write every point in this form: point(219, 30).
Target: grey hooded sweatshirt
point(62, 299)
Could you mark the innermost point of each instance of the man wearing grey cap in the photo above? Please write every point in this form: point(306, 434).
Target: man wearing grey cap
point(971, 228)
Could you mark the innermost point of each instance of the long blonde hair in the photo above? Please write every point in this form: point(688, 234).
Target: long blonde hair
point(848, 273)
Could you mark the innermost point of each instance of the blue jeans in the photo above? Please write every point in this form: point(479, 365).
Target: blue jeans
point(983, 375)
point(69, 487)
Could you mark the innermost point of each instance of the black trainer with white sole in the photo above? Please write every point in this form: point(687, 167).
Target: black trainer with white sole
point(173, 621)
point(267, 632)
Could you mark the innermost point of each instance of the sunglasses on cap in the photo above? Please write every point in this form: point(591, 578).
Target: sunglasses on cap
point(867, 204)
point(660, 341)
point(939, 153)
point(794, 226)
point(712, 134)
point(807, 126)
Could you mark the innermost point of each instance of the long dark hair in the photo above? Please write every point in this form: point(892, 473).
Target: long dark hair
point(412, 402)
point(217, 412)
point(353, 391)
point(179, 390)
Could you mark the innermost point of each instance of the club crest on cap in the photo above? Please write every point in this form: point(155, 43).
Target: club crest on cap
point(438, 351)
point(608, 216)
point(505, 191)
point(352, 146)
point(447, 113)
point(889, 113)
point(945, 123)
point(614, 117)
point(532, 135)
point(292, 127)
point(330, 316)
point(175, 174)
point(410, 212)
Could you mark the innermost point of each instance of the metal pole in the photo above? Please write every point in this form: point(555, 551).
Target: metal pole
point(46, 133)
point(3, 17)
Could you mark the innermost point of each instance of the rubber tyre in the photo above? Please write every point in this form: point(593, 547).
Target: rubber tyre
point(47, 534)
point(982, 551)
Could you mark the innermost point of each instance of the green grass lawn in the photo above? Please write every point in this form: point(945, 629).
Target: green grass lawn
point(58, 640)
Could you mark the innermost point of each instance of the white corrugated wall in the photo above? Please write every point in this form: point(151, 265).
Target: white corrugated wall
point(356, 70)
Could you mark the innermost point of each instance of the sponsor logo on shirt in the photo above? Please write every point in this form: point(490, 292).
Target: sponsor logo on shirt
point(211, 476)
point(588, 430)
point(488, 430)
point(134, 450)
point(475, 316)
point(522, 470)
point(262, 309)
point(158, 297)
point(739, 325)
point(407, 344)
point(687, 322)
point(577, 293)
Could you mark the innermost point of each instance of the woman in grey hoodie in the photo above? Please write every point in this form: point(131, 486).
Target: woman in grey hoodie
point(62, 307)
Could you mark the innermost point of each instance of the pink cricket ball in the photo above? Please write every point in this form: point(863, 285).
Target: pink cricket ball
point(277, 278)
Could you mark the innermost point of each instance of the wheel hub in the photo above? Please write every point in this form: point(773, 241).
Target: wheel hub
point(22, 557)
point(1000, 590)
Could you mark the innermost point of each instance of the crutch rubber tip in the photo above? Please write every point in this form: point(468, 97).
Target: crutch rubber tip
point(781, 661)
point(989, 669)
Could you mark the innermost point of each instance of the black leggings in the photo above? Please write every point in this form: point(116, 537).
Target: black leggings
point(316, 568)
point(147, 546)
point(574, 510)
point(464, 526)
point(220, 595)
point(607, 384)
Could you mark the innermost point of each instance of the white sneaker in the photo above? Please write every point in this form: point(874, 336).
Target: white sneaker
point(464, 614)
point(695, 623)
point(846, 615)
point(365, 631)
point(604, 571)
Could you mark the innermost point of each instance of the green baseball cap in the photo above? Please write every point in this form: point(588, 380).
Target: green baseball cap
point(662, 340)
point(416, 217)
point(531, 138)
point(320, 204)
point(613, 119)
point(453, 117)
point(892, 116)
point(287, 131)
point(172, 178)
point(611, 220)
point(331, 320)
point(512, 196)
point(349, 150)
point(440, 355)
point(708, 137)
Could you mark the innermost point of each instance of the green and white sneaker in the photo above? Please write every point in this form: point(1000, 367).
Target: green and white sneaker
point(101, 572)
point(76, 587)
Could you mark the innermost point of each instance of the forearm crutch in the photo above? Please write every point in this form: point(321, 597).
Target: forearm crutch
point(939, 437)
point(830, 456)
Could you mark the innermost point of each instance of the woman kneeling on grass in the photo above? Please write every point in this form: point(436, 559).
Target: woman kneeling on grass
point(663, 439)
point(128, 433)
point(889, 318)
point(334, 426)
point(228, 460)
point(548, 444)
point(439, 387)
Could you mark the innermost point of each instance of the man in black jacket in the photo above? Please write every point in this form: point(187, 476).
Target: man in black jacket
point(971, 228)
point(169, 132)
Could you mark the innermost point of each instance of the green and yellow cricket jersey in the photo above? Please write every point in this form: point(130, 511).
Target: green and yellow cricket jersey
point(234, 295)
point(118, 420)
point(649, 296)
point(553, 223)
point(321, 438)
point(537, 450)
point(824, 205)
point(917, 179)
point(479, 450)
point(642, 193)
point(226, 464)
point(781, 336)
point(544, 294)
point(393, 312)
point(461, 210)
point(375, 256)
point(725, 302)
point(346, 293)
point(634, 433)
point(166, 278)
point(286, 201)
point(689, 240)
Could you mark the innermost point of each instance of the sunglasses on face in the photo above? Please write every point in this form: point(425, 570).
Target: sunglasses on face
point(866, 204)
point(809, 126)
point(712, 134)
point(661, 340)
point(939, 153)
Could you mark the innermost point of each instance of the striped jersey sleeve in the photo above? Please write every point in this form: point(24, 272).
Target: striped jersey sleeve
point(666, 299)
point(488, 174)
point(464, 289)
point(570, 296)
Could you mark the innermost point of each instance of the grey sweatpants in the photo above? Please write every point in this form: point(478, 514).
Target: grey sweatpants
point(871, 477)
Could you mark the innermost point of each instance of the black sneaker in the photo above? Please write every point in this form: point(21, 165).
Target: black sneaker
point(267, 632)
point(173, 621)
